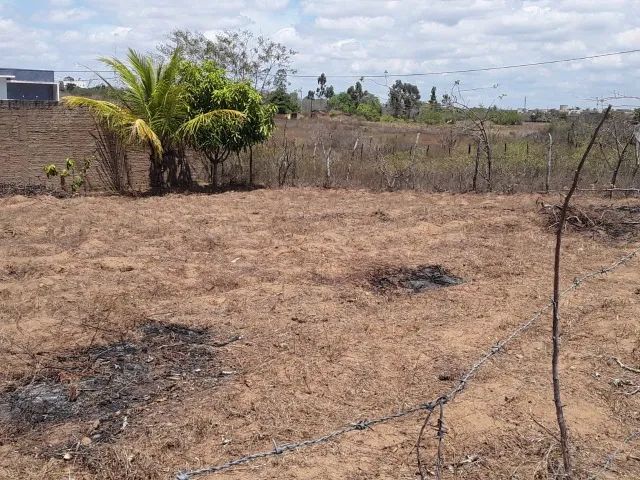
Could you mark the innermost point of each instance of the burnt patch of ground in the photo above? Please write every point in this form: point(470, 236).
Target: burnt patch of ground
point(100, 384)
point(28, 190)
point(614, 221)
point(412, 280)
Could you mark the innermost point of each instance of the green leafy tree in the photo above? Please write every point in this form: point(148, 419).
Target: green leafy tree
point(636, 115)
point(357, 93)
point(323, 90)
point(404, 99)
point(342, 102)
point(149, 110)
point(433, 99)
point(283, 101)
point(358, 102)
point(216, 137)
point(242, 55)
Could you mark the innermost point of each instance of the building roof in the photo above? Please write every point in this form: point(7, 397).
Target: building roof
point(29, 74)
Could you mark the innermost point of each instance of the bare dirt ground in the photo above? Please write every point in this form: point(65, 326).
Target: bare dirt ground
point(119, 321)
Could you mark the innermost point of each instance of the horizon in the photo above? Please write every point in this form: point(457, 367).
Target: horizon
point(365, 38)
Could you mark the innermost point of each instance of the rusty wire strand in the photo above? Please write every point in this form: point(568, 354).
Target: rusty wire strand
point(427, 406)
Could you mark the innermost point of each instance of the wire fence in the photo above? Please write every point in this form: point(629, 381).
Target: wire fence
point(362, 425)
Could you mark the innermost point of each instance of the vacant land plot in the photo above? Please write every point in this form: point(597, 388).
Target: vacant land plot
point(139, 337)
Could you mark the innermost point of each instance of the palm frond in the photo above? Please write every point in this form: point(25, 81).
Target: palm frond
point(110, 113)
point(145, 70)
point(194, 126)
point(126, 75)
point(143, 133)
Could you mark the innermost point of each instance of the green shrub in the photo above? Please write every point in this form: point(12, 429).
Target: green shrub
point(505, 117)
point(77, 176)
point(430, 115)
point(369, 111)
point(389, 118)
point(342, 102)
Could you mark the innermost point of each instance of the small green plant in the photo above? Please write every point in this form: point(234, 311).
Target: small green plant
point(77, 176)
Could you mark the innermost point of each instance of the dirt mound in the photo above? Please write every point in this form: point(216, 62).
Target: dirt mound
point(100, 382)
point(415, 280)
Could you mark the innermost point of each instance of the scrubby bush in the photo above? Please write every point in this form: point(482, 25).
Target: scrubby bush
point(430, 115)
point(505, 117)
point(342, 102)
point(371, 111)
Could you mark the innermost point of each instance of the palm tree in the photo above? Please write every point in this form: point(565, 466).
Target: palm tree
point(150, 110)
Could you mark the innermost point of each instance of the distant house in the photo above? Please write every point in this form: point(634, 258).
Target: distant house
point(21, 84)
point(69, 83)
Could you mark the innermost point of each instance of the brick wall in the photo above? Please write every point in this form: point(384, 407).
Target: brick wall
point(33, 134)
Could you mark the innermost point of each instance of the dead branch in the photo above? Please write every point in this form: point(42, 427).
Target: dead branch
point(555, 361)
point(597, 190)
point(626, 367)
point(419, 443)
point(227, 342)
point(441, 434)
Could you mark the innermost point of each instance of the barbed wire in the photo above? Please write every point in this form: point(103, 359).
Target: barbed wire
point(362, 425)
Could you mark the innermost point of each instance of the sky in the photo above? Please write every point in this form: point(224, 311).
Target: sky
point(360, 38)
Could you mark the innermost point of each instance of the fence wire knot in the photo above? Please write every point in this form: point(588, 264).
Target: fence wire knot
point(361, 425)
point(429, 406)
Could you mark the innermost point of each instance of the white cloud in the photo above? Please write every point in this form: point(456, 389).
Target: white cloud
point(358, 24)
point(629, 38)
point(272, 4)
point(361, 36)
point(70, 15)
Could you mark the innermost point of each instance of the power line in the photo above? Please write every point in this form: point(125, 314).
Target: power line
point(443, 72)
point(483, 69)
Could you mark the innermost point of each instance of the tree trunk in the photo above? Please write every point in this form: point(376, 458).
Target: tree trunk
point(637, 165)
point(156, 178)
point(477, 167)
point(214, 174)
point(250, 165)
point(489, 162)
point(185, 178)
point(614, 176)
point(170, 165)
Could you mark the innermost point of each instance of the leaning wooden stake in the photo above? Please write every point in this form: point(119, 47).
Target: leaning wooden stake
point(564, 435)
point(549, 157)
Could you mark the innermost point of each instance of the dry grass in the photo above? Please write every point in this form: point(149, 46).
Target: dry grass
point(289, 271)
